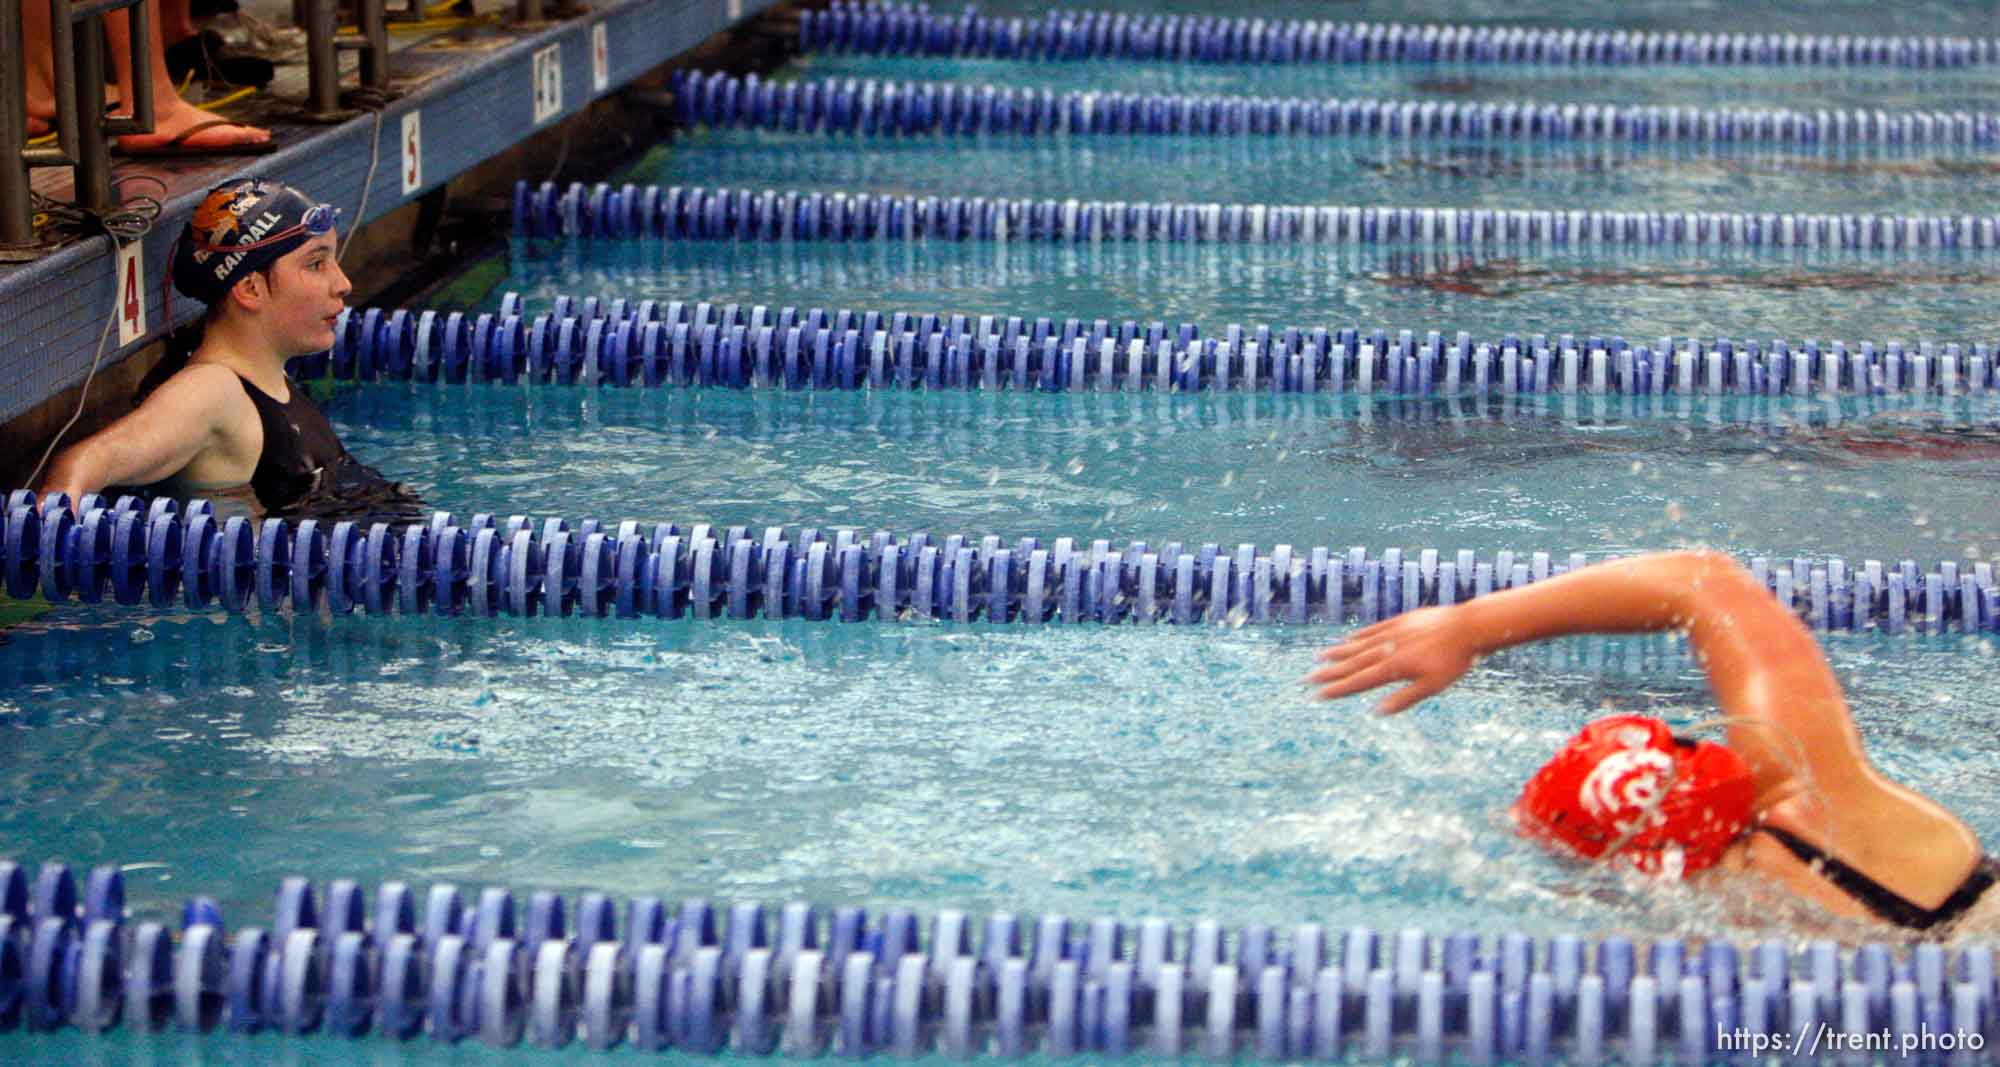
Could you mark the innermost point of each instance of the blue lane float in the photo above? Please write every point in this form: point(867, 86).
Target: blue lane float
point(693, 213)
point(906, 29)
point(808, 980)
point(165, 557)
point(868, 106)
point(677, 344)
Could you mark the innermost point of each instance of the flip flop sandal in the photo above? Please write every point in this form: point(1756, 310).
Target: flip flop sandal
point(178, 148)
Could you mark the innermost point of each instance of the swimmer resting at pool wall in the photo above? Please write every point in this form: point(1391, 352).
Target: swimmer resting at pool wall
point(227, 423)
point(1790, 797)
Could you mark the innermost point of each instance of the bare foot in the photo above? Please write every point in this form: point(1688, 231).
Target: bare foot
point(41, 105)
point(172, 120)
point(42, 108)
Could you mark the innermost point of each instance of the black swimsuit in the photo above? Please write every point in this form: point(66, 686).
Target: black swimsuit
point(298, 445)
point(305, 472)
point(1886, 903)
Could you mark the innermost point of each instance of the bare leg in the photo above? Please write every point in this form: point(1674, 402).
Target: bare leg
point(176, 24)
point(172, 116)
point(41, 75)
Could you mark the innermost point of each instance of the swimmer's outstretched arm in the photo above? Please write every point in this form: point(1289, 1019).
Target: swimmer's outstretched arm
point(176, 423)
point(1787, 717)
point(1785, 708)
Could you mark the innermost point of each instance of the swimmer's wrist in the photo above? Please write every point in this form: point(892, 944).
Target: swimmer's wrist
point(1491, 625)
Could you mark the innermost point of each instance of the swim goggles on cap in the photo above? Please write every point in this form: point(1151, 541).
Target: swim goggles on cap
point(318, 219)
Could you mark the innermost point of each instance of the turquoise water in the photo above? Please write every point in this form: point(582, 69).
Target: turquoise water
point(1806, 88)
point(1122, 771)
point(1699, 16)
point(1471, 174)
point(1085, 771)
point(1643, 294)
point(1885, 481)
point(1082, 771)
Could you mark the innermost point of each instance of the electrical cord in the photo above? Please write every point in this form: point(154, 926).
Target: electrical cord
point(374, 101)
point(134, 219)
point(562, 154)
point(131, 221)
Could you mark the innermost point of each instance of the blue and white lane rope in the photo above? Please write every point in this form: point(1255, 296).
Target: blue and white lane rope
point(521, 567)
point(693, 213)
point(883, 29)
point(810, 981)
point(672, 343)
point(867, 106)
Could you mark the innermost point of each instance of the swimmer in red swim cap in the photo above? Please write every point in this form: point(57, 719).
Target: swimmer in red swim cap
point(1791, 796)
point(1626, 789)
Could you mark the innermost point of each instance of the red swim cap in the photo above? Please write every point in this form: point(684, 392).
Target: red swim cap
point(1676, 805)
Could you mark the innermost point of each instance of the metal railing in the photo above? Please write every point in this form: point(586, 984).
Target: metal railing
point(325, 42)
point(81, 126)
point(82, 129)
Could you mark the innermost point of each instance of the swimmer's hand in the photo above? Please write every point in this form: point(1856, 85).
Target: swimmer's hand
point(1430, 648)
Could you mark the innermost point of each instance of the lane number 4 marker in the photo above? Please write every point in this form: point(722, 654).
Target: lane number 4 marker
point(130, 264)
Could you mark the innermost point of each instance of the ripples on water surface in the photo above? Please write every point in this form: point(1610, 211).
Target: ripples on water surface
point(1801, 88)
point(1885, 479)
point(1083, 770)
point(1642, 293)
point(1422, 173)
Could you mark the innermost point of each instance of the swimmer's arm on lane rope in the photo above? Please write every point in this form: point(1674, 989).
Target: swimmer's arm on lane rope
point(1785, 708)
point(179, 421)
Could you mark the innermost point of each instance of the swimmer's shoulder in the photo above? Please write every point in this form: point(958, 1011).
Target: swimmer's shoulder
point(210, 396)
point(207, 389)
point(206, 385)
point(207, 376)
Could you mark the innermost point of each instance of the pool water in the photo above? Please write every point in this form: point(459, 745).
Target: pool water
point(1164, 771)
point(1701, 16)
point(1333, 170)
point(1883, 479)
point(1641, 294)
point(1083, 771)
point(1798, 88)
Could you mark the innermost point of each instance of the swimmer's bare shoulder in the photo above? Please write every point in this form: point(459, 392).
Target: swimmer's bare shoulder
point(236, 433)
point(1787, 715)
point(199, 426)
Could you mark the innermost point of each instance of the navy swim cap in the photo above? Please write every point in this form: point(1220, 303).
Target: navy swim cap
point(242, 226)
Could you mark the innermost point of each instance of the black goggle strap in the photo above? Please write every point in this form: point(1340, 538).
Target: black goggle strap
point(285, 234)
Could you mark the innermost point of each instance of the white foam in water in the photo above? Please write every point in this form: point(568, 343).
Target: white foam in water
point(1080, 770)
point(1093, 770)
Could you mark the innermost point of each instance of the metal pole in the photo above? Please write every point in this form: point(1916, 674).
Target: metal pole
point(16, 205)
point(140, 14)
point(93, 159)
point(322, 62)
point(62, 27)
point(368, 18)
point(17, 214)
